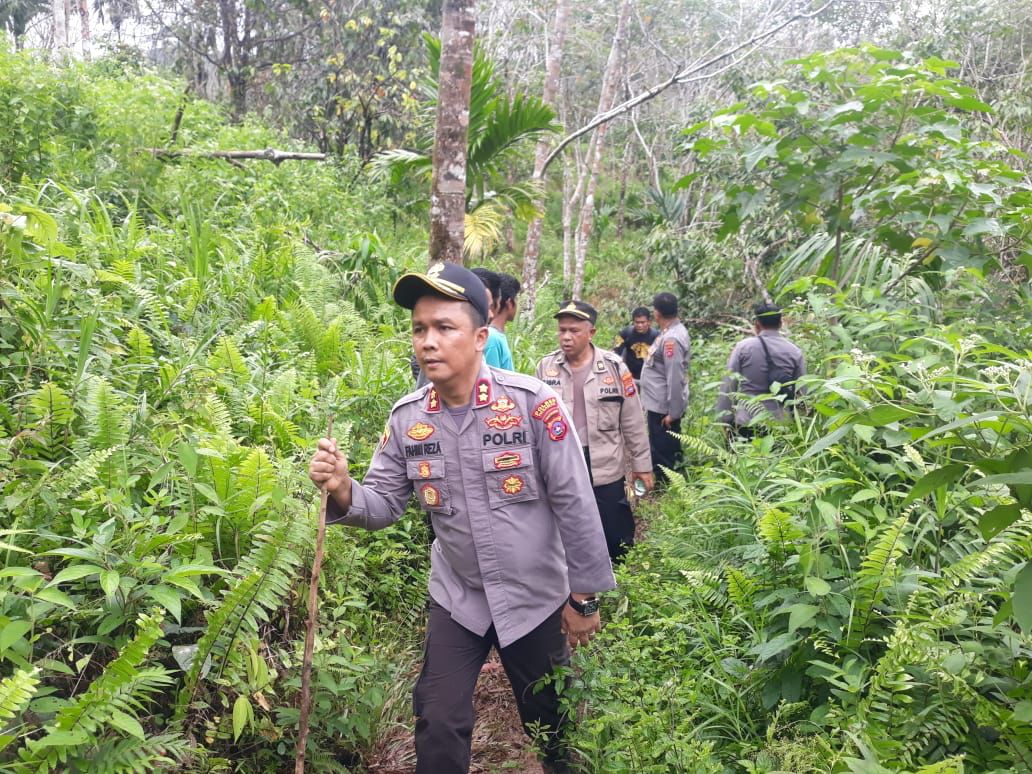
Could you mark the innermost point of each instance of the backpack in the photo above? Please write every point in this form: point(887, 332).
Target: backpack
point(775, 373)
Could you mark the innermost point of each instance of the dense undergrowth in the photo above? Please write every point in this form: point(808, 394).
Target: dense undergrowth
point(849, 592)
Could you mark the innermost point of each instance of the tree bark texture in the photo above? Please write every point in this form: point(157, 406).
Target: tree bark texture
point(84, 23)
point(610, 81)
point(448, 184)
point(60, 10)
point(553, 66)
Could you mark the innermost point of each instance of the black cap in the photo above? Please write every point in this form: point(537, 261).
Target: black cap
point(446, 279)
point(578, 309)
point(765, 310)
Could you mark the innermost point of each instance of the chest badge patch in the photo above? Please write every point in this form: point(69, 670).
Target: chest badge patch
point(608, 380)
point(512, 485)
point(502, 405)
point(507, 460)
point(503, 421)
point(431, 495)
point(551, 372)
point(420, 431)
point(424, 470)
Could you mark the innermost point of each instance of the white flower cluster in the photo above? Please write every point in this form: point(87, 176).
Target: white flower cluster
point(860, 357)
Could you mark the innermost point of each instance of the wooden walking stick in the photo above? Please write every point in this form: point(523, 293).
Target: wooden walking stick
point(313, 621)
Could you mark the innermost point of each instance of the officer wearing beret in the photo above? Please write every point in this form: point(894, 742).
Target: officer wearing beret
point(598, 390)
point(519, 554)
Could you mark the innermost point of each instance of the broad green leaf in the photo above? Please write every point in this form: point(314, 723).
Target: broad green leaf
point(168, 598)
point(817, 586)
point(55, 596)
point(996, 520)
point(829, 440)
point(75, 572)
point(127, 723)
point(109, 580)
point(1021, 478)
point(929, 482)
point(242, 713)
point(1022, 712)
point(188, 458)
point(13, 632)
point(801, 615)
point(772, 647)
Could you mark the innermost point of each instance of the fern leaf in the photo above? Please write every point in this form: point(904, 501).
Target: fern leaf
point(106, 416)
point(225, 358)
point(85, 470)
point(778, 531)
point(876, 571)
point(51, 404)
point(16, 691)
point(139, 756)
point(255, 480)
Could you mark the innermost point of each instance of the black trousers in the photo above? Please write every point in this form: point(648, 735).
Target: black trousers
point(666, 450)
point(443, 696)
point(615, 510)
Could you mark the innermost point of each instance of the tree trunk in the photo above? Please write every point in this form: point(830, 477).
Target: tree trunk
point(607, 97)
point(87, 36)
point(60, 9)
point(448, 184)
point(553, 66)
point(568, 204)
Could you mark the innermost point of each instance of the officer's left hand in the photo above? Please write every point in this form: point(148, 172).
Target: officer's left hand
point(579, 629)
point(646, 478)
point(667, 421)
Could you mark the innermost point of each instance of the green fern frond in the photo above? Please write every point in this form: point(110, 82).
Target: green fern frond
point(51, 404)
point(740, 588)
point(875, 575)
point(703, 448)
point(219, 416)
point(778, 531)
point(16, 691)
point(126, 269)
point(225, 359)
point(264, 579)
point(255, 479)
point(85, 470)
point(1011, 543)
point(106, 416)
point(141, 349)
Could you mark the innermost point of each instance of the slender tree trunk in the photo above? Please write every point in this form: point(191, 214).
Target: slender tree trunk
point(625, 168)
point(568, 205)
point(448, 184)
point(594, 160)
point(87, 36)
point(553, 66)
point(60, 9)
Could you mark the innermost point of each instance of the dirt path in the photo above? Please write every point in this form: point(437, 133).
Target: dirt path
point(499, 744)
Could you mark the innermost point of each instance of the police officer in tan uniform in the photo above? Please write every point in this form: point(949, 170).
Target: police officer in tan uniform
point(599, 393)
point(519, 554)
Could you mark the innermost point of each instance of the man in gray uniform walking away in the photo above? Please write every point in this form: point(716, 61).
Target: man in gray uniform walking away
point(757, 363)
point(519, 555)
point(664, 383)
point(598, 390)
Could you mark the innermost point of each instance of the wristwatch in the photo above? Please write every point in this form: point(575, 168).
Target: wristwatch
point(586, 608)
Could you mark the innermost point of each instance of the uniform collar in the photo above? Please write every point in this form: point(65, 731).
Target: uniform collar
point(597, 367)
point(775, 332)
point(483, 392)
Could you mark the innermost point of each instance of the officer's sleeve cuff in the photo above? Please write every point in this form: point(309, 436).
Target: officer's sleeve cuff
point(357, 515)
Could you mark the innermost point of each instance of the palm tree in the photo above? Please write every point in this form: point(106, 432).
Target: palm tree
point(500, 129)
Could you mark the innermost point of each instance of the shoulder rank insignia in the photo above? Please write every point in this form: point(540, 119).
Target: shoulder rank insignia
point(507, 460)
point(503, 404)
point(431, 495)
point(503, 421)
point(433, 401)
point(420, 431)
point(482, 393)
point(512, 485)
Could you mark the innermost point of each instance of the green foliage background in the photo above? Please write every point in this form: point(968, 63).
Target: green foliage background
point(849, 592)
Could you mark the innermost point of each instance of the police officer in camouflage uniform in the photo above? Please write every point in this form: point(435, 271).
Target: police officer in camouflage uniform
point(599, 393)
point(664, 383)
point(519, 554)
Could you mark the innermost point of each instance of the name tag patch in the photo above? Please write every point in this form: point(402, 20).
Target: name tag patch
point(423, 449)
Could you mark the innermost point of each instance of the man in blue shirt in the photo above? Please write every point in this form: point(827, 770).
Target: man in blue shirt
point(497, 352)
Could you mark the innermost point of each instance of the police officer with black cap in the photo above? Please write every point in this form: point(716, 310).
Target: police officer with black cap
point(599, 392)
point(519, 554)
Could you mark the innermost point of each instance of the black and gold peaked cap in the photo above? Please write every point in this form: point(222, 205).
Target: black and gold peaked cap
point(446, 279)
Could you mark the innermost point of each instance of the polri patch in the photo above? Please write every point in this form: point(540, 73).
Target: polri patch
point(608, 379)
point(425, 471)
point(668, 348)
point(420, 431)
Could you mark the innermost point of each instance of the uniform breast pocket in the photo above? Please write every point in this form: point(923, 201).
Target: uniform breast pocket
point(510, 476)
point(430, 485)
point(609, 413)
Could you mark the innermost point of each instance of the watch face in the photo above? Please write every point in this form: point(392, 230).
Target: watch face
point(589, 607)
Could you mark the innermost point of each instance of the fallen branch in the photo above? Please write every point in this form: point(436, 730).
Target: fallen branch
point(686, 75)
point(268, 154)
